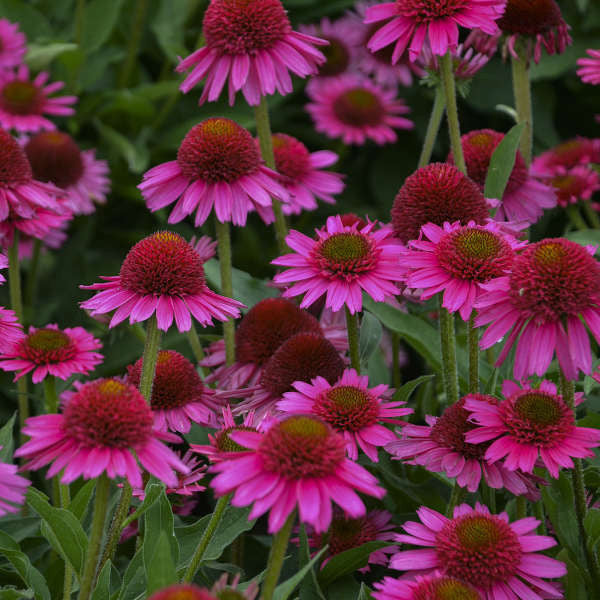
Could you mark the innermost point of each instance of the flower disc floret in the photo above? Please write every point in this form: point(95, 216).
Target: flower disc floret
point(337, 55)
point(292, 158)
point(48, 345)
point(182, 591)
point(347, 407)
point(14, 165)
point(346, 255)
point(530, 17)
point(21, 98)
point(435, 587)
point(359, 107)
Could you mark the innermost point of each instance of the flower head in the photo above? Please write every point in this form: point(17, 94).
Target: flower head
point(342, 261)
point(589, 68)
point(411, 23)
point(12, 44)
point(218, 166)
point(12, 486)
point(579, 183)
point(351, 408)
point(481, 549)
point(355, 109)
point(430, 587)
point(251, 45)
point(550, 295)
point(182, 591)
point(24, 102)
point(162, 274)
point(578, 151)
point(437, 193)
point(300, 461)
point(101, 425)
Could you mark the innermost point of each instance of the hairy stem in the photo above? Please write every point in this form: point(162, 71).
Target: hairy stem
point(473, 341)
point(448, 346)
point(433, 128)
point(224, 241)
point(151, 348)
point(522, 94)
point(276, 556)
point(353, 339)
point(449, 85)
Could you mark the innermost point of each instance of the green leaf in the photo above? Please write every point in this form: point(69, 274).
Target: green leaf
point(134, 579)
point(404, 393)
point(19, 527)
point(136, 155)
point(80, 503)
point(7, 440)
point(31, 21)
point(158, 520)
point(99, 20)
point(169, 27)
point(151, 495)
point(309, 588)
point(160, 566)
point(40, 56)
point(61, 528)
point(284, 590)
point(585, 237)
point(365, 592)
point(370, 336)
point(102, 589)
point(14, 594)
point(574, 579)
point(592, 526)
point(344, 588)
point(502, 163)
point(22, 565)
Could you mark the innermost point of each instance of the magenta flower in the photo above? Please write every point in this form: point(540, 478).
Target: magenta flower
point(300, 173)
point(455, 260)
point(441, 447)
point(579, 183)
point(351, 408)
point(218, 165)
point(300, 462)
point(589, 68)
point(411, 23)
point(530, 423)
point(250, 45)
point(11, 331)
point(161, 274)
point(341, 262)
point(12, 486)
point(578, 151)
point(205, 246)
point(101, 426)
point(12, 45)
point(24, 102)
point(353, 108)
point(551, 294)
point(500, 559)
point(430, 587)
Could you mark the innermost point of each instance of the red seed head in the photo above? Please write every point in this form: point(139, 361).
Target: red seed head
point(46, 345)
point(346, 255)
point(359, 107)
point(14, 166)
point(346, 533)
point(426, 11)
point(292, 158)
point(347, 407)
point(337, 55)
point(182, 591)
point(21, 98)
point(530, 17)
point(444, 588)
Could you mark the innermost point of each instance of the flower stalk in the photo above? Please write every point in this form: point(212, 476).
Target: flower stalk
point(523, 105)
point(276, 556)
point(151, 349)
point(449, 86)
point(225, 264)
point(353, 339)
point(448, 347)
point(473, 343)
point(433, 128)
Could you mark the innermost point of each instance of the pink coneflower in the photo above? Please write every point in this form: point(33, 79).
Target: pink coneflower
point(456, 259)
point(24, 102)
point(551, 294)
point(589, 68)
point(205, 246)
point(218, 165)
point(52, 351)
point(341, 261)
point(12, 45)
point(484, 550)
point(12, 486)
point(182, 591)
point(351, 408)
point(162, 274)
point(533, 24)
point(437, 193)
point(34, 222)
point(251, 45)
point(221, 590)
point(300, 172)
point(441, 447)
point(524, 198)
point(530, 423)
point(11, 331)
point(55, 157)
point(430, 587)
point(300, 462)
point(411, 23)
point(579, 183)
point(355, 109)
point(578, 151)
point(101, 425)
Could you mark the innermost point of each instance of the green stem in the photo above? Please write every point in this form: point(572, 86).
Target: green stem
point(224, 241)
point(196, 347)
point(522, 94)
point(150, 356)
point(396, 373)
point(448, 346)
point(79, 16)
point(134, 43)
point(433, 128)
point(207, 536)
point(521, 507)
point(591, 214)
point(95, 541)
point(31, 285)
point(447, 73)
point(538, 511)
point(263, 130)
point(353, 339)
point(457, 496)
point(576, 218)
point(276, 556)
point(50, 394)
point(473, 341)
point(65, 500)
point(488, 495)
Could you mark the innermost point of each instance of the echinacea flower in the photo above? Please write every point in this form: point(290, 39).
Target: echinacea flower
point(250, 45)
point(441, 447)
point(182, 591)
point(550, 295)
point(300, 173)
point(221, 590)
point(205, 246)
point(162, 275)
point(355, 109)
point(351, 408)
point(578, 151)
point(456, 259)
point(12, 486)
point(437, 193)
point(524, 198)
point(55, 157)
point(579, 183)
point(430, 587)
point(52, 351)
point(100, 428)
point(300, 461)
point(11, 331)
point(341, 262)
point(12, 45)
point(218, 166)
point(24, 102)
point(589, 68)
point(411, 23)
point(530, 423)
point(32, 221)
point(500, 559)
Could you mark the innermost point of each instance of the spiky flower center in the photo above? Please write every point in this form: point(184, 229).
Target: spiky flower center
point(218, 150)
point(163, 264)
point(359, 107)
point(478, 548)
point(347, 407)
point(301, 446)
point(573, 152)
point(346, 255)
point(337, 57)
point(21, 98)
point(346, 533)
point(47, 345)
point(292, 158)
point(425, 11)
point(224, 443)
point(108, 413)
point(244, 26)
point(445, 588)
point(55, 157)
point(530, 17)
point(14, 166)
point(182, 592)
